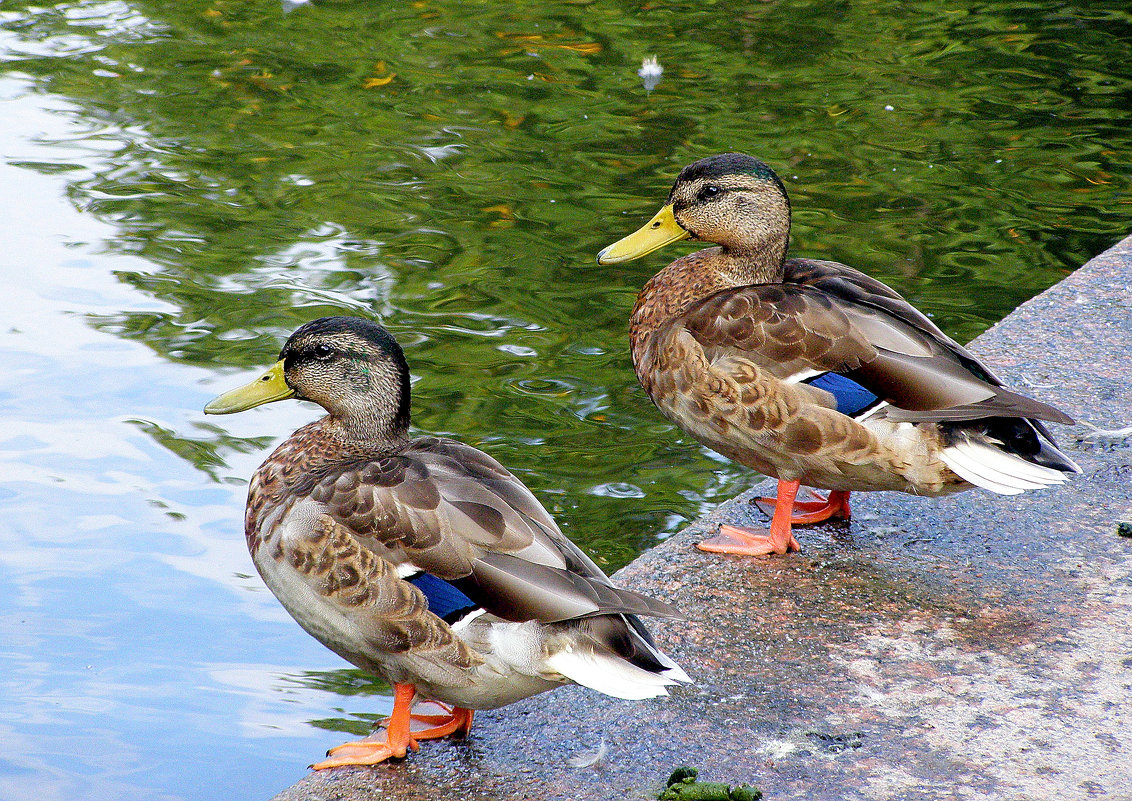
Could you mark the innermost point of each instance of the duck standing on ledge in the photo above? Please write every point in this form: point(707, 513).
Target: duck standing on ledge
point(810, 371)
point(424, 560)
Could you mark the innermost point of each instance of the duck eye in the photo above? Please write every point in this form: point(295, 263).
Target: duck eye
point(710, 191)
point(322, 351)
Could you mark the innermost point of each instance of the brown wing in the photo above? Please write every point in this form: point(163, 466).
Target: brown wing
point(831, 318)
point(451, 510)
point(387, 614)
point(841, 281)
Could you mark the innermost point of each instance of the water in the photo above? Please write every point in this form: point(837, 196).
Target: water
point(183, 184)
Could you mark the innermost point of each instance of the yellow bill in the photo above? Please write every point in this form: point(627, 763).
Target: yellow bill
point(661, 230)
point(271, 386)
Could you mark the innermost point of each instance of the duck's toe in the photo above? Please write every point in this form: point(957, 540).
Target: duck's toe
point(366, 752)
point(748, 542)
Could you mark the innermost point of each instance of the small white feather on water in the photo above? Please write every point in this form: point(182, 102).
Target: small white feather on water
point(650, 72)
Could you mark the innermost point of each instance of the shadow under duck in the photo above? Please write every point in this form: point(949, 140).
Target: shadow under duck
point(424, 560)
point(810, 371)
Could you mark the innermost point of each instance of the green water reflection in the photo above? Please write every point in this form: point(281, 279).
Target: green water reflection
point(452, 167)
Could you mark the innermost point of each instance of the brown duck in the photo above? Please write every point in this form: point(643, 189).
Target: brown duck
point(424, 560)
point(811, 371)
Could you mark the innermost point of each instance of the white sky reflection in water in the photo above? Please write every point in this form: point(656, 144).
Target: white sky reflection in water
point(137, 644)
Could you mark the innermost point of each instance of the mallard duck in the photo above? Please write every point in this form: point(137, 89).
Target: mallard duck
point(424, 560)
point(810, 371)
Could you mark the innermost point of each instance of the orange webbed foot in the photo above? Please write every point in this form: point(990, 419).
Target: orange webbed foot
point(400, 734)
point(453, 720)
point(780, 538)
point(365, 752)
point(820, 508)
point(747, 542)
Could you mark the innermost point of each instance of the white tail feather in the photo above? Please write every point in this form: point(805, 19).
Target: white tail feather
point(671, 669)
point(994, 469)
point(612, 675)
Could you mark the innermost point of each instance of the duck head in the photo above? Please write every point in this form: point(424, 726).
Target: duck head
point(351, 367)
point(733, 200)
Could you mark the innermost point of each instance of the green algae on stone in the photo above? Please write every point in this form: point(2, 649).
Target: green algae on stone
point(682, 786)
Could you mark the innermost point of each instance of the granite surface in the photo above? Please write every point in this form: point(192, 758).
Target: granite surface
point(971, 647)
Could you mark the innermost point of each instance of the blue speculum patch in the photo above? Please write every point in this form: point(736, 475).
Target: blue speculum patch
point(445, 600)
point(851, 397)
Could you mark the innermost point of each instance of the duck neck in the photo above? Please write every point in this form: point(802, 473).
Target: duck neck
point(691, 279)
point(366, 433)
point(330, 441)
point(744, 266)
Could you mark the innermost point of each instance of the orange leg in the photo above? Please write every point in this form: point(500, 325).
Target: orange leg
point(399, 736)
point(779, 540)
point(836, 504)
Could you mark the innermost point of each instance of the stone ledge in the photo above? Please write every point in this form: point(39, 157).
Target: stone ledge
point(974, 646)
